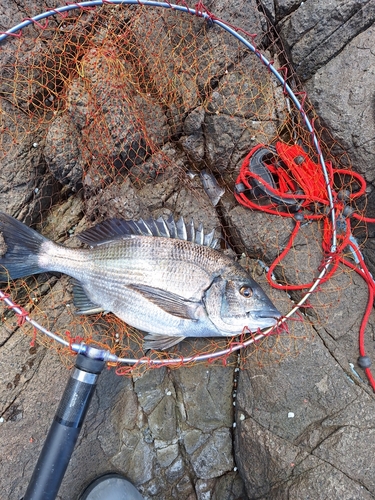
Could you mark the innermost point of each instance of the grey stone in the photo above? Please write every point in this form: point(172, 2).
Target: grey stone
point(238, 120)
point(162, 420)
point(334, 449)
point(223, 133)
point(213, 386)
point(26, 186)
point(175, 471)
point(319, 31)
point(316, 481)
point(304, 429)
point(193, 146)
point(348, 113)
point(62, 221)
point(150, 388)
point(194, 439)
point(167, 455)
point(136, 456)
point(203, 488)
point(63, 157)
point(155, 194)
point(116, 200)
point(194, 120)
point(262, 236)
point(278, 9)
point(215, 456)
point(229, 487)
point(184, 489)
point(238, 13)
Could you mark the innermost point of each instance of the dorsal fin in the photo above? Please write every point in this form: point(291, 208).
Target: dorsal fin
point(199, 235)
point(181, 229)
point(115, 229)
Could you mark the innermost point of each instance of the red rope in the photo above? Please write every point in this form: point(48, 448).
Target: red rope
point(292, 169)
point(371, 220)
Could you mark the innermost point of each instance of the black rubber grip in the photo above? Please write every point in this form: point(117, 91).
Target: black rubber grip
point(63, 434)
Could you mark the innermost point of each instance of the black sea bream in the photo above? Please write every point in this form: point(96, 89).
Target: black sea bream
point(160, 276)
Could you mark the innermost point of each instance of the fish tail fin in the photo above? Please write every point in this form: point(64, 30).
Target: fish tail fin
point(19, 249)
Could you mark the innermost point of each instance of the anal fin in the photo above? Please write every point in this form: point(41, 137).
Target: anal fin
point(82, 303)
point(160, 342)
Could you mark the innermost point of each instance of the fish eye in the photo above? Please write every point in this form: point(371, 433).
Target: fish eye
point(246, 291)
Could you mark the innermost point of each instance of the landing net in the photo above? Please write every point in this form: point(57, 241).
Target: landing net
point(135, 109)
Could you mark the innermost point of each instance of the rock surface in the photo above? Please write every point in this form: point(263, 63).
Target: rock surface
point(300, 422)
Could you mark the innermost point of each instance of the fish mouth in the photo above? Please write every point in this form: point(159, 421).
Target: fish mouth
point(269, 314)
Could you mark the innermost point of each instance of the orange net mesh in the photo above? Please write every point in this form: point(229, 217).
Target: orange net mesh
point(115, 112)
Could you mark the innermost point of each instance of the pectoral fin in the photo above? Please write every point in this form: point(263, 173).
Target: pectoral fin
point(160, 342)
point(82, 303)
point(171, 303)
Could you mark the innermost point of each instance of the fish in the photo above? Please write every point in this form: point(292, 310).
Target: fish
point(211, 186)
point(164, 277)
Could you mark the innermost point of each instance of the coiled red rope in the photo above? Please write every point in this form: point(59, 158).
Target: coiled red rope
point(293, 185)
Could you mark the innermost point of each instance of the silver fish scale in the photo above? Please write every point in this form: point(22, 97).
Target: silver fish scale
point(140, 313)
point(177, 266)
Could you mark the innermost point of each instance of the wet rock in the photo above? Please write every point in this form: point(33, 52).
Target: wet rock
point(62, 220)
point(23, 84)
point(63, 156)
point(194, 121)
point(229, 487)
point(26, 361)
point(184, 489)
point(192, 141)
point(169, 75)
point(204, 488)
point(167, 455)
point(278, 9)
point(194, 439)
point(238, 14)
point(265, 427)
point(235, 96)
point(240, 115)
point(119, 128)
point(318, 478)
point(214, 457)
point(318, 32)
point(257, 234)
point(216, 384)
point(229, 139)
point(348, 114)
point(162, 421)
point(37, 405)
point(193, 146)
point(223, 134)
point(137, 456)
point(151, 388)
point(175, 471)
point(116, 200)
point(158, 177)
point(26, 186)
